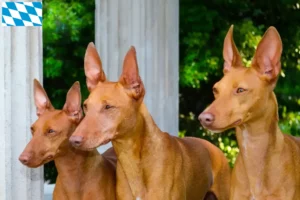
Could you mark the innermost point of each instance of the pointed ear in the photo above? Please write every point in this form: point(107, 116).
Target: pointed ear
point(73, 102)
point(41, 99)
point(130, 77)
point(93, 67)
point(266, 59)
point(231, 55)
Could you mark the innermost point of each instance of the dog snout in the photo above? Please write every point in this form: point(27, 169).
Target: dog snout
point(76, 140)
point(206, 118)
point(25, 158)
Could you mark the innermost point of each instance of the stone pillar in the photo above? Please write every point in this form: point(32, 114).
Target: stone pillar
point(20, 62)
point(152, 26)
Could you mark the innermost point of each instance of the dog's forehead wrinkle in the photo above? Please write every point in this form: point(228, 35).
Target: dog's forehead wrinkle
point(226, 85)
point(96, 100)
point(105, 89)
point(45, 118)
point(51, 122)
point(244, 78)
point(235, 84)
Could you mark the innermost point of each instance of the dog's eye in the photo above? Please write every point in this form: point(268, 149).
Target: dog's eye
point(215, 90)
point(31, 130)
point(108, 107)
point(50, 131)
point(85, 106)
point(240, 90)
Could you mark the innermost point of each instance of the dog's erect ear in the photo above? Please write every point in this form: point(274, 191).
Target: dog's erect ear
point(73, 103)
point(231, 54)
point(130, 77)
point(93, 67)
point(266, 59)
point(41, 99)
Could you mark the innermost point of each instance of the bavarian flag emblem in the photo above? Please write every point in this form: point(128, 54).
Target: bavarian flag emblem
point(21, 14)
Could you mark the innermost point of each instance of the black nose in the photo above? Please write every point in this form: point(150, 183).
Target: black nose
point(76, 140)
point(206, 118)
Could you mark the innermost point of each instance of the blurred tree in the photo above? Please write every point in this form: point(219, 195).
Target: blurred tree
point(68, 27)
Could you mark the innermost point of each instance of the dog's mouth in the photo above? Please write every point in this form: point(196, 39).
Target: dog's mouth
point(42, 162)
point(105, 142)
point(236, 123)
point(83, 148)
point(107, 137)
point(91, 148)
point(93, 143)
point(34, 163)
point(48, 158)
point(219, 130)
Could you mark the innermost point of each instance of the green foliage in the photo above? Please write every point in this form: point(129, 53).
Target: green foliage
point(68, 26)
point(203, 26)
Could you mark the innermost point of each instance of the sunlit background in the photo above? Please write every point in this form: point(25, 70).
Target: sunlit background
point(69, 26)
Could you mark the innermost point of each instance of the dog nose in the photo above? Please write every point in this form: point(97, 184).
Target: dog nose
point(206, 118)
point(24, 158)
point(76, 140)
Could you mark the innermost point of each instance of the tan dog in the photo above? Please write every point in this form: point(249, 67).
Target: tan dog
point(81, 175)
point(268, 165)
point(156, 165)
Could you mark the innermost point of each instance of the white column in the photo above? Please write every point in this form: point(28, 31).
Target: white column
point(152, 26)
point(20, 62)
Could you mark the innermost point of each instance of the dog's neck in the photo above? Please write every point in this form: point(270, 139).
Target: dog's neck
point(130, 150)
point(259, 140)
point(73, 165)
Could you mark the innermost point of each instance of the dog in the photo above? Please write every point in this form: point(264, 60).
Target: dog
point(153, 163)
point(82, 175)
point(267, 166)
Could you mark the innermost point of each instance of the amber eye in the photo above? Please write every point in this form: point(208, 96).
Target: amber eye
point(108, 107)
point(51, 131)
point(85, 107)
point(31, 130)
point(240, 90)
point(215, 90)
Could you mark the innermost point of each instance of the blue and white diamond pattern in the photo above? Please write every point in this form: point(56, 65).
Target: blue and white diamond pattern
point(22, 14)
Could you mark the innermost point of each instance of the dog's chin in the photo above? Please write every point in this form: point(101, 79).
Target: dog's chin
point(215, 129)
point(91, 144)
point(35, 165)
point(41, 162)
point(84, 148)
point(87, 145)
point(105, 142)
point(48, 158)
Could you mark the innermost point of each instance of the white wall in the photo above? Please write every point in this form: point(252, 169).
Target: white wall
point(20, 63)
